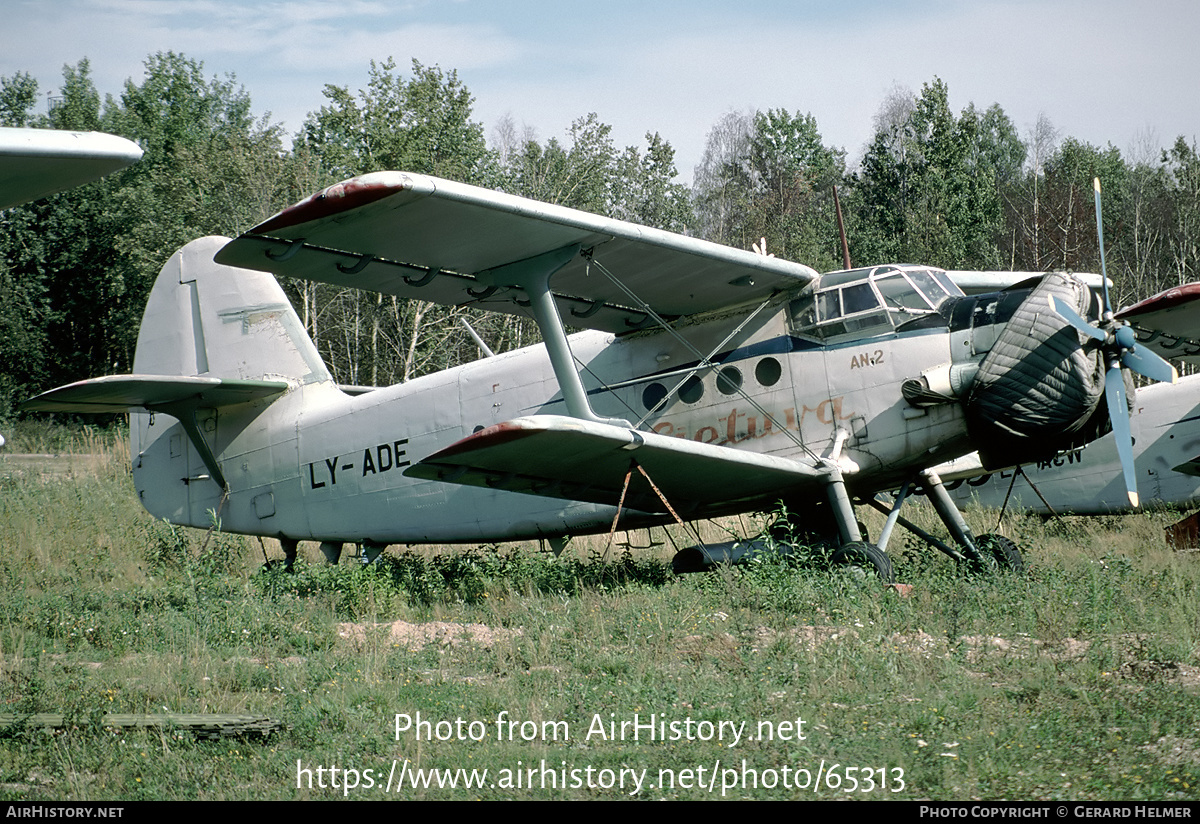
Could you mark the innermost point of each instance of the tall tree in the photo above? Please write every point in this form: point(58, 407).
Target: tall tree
point(18, 96)
point(930, 183)
point(1181, 167)
point(719, 190)
point(770, 176)
point(417, 124)
point(1022, 242)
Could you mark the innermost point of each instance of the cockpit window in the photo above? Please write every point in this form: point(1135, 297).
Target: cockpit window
point(859, 297)
point(899, 293)
point(870, 301)
point(933, 288)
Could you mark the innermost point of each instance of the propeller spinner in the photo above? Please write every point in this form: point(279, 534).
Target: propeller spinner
point(1120, 347)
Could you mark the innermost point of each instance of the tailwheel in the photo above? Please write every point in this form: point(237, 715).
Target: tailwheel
point(1004, 552)
point(863, 556)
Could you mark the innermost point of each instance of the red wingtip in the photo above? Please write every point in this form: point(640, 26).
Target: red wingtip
point(340, 197)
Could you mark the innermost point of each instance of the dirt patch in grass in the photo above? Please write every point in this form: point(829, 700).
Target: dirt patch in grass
point(416, 636)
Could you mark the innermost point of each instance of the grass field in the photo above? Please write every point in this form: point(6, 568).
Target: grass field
point(599, 674)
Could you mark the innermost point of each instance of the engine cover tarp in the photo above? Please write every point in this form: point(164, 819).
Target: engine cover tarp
point(1038, 386)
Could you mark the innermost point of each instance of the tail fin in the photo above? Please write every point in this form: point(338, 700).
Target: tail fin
point(216, 347)
point(206, 319)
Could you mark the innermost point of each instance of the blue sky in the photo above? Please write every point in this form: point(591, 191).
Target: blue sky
point(1105, 71)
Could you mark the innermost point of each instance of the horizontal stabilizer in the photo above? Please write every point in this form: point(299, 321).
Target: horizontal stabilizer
point(120, 393)
point(561, 457)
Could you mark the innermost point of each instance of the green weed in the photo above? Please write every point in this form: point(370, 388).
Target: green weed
point(1078, 680)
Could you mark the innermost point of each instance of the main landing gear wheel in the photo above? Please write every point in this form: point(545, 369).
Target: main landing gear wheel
point(979, 560)
point(1004, 551)
point(863, 556)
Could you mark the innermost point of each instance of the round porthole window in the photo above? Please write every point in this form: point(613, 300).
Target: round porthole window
point(768, 372)
point(652, 395)
point(692, 390)
point(729, 380)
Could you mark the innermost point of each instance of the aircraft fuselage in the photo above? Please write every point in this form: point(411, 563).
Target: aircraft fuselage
point(1086, 481)
point(318, 464)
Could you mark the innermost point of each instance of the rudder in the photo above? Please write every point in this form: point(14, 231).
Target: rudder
point(206, 319)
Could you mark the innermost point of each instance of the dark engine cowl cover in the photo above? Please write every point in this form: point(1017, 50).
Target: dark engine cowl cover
point(1038, 387)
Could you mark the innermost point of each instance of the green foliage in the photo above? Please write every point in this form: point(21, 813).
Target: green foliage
point(386, 588)
point(930, 185)
point(770, 177)
point(590, 174)
point(18, 96)
point(421, 124)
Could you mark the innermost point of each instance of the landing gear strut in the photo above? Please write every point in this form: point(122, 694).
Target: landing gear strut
point(986, 553)
point(832, 522)
point(289, 546)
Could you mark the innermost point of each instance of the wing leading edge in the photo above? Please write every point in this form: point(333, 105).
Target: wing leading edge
point(560, 457)
point(421, 237)
point(39, 162)
point(1168, 323)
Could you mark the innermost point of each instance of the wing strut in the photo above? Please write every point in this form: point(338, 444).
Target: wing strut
point(703, 361)
point(621, 503)
point(532, 275)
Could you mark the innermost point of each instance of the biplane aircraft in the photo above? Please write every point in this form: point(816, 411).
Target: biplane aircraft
point(707, 380)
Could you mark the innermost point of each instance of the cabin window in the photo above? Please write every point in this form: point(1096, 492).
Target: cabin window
point(858, 298)
point(729, 380)
point(692, 390)
point(768, 372)
point(652, 395)
point(804, 310)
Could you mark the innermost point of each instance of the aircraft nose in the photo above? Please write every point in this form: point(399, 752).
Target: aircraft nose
point(1039, 388)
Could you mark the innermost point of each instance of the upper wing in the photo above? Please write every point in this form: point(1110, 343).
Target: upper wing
point(423, 237)
point(39, 162)
point(560, 457)
point(1168, 323)
point(979, 282)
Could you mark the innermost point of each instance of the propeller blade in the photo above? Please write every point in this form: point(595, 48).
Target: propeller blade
point(1100, 238)
point(1147, 363)
point(1072, 317)
point(1118, 414)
